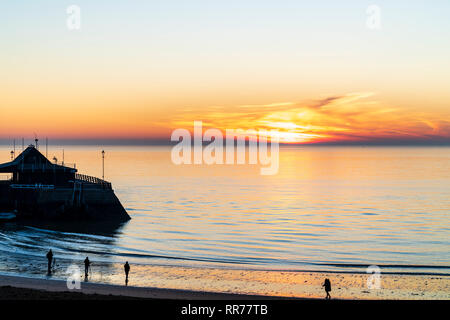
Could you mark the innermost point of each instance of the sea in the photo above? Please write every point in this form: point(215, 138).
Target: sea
point(328, 209)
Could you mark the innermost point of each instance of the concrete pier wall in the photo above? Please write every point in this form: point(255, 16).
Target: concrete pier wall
point(82, 202)
point(5, 201)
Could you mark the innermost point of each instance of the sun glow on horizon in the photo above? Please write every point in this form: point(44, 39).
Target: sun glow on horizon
point(350, 117)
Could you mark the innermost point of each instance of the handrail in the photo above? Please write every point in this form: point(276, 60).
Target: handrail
point(93, 180)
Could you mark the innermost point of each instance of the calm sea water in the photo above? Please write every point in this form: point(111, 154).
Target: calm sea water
point(328, 208)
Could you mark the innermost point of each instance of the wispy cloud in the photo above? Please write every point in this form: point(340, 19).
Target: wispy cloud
point(350, 117)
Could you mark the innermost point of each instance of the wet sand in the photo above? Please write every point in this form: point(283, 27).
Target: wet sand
point(294, 284)
point(162, 282)
point(22, 288)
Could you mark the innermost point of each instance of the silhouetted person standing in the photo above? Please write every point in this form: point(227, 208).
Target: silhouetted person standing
point(49, 259)
point(327, 285)
point(126, 267)
point(87, 263)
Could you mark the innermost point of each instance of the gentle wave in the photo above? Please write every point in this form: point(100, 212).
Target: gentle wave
point(24, 243)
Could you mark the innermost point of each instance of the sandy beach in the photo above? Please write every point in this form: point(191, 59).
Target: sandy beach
point(14, 287)
point(218, 284)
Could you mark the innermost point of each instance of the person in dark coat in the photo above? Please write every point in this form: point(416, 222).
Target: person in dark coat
point(126, 267)
point(49, 260)
point(327, 286)
point(87, 263)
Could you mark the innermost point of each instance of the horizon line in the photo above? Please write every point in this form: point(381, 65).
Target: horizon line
point(167, 142)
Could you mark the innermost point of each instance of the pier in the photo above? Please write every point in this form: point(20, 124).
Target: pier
point(35, 188)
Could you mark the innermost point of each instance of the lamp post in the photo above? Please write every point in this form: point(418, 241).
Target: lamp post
point(103, 165)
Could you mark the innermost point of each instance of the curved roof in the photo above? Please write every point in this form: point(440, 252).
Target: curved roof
point(32, 159)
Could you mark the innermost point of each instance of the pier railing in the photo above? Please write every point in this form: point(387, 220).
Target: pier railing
point(94, 180)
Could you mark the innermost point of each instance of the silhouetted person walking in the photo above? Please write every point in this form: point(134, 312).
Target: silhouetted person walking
point(49, 259)
point(87, 263)
point(126, 267)
point(327, 285)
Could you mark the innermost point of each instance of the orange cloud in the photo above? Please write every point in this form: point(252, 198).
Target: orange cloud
point(351, 117)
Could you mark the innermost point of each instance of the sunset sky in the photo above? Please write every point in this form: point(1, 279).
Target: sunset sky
point(136, 70)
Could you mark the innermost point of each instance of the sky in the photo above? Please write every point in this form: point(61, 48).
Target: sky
point(314, 70)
